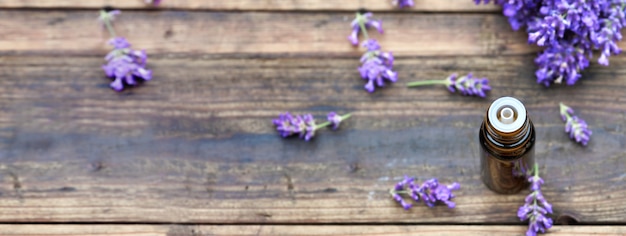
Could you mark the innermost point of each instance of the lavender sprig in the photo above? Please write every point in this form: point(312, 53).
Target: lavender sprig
point(361, 23)
point(576, 127)
point(466, 85)
point(124, 64)
point(535, 207)
point(429, 192)
point(304, 125)
point(402, 3)
point(377, 66)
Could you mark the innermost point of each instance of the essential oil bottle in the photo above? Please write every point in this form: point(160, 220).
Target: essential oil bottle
point(507, 138)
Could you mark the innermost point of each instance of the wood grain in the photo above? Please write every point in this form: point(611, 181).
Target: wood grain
point(297, 230)
point(259, 5)
point(202, 33)
point(196, 144)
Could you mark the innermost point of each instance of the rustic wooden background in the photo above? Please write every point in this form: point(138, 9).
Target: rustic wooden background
point(194, 151)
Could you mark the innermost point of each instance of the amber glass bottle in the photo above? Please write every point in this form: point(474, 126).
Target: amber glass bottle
point(507, 139)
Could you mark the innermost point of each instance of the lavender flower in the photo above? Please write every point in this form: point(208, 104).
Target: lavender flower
point(535, 207)
point(304, 125)
point(466, 85)
point(429, 192)
point(377, 66)
point(108, 15)
point(559, 62)
point(402, 3)
point(124, 64)
point(153, 2)
point(361, 23)
point(576, 127)
point(569, 30)
point(336, 119)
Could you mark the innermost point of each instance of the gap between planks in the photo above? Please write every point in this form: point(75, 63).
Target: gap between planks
point(260, 5)
point(295, 230)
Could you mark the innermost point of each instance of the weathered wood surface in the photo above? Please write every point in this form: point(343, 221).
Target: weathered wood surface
point(259, 5)
point(196, 144)
point(288, 33)
point(249, 230)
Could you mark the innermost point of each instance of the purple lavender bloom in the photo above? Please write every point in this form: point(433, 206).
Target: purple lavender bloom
point(403, 3)
point(578, 130)
point(560, 62)
point(535, 207)
point(377, 66)
point(153, 2)
point(303, 125)
point(570, 31)
point(334, 119)
point(360, 24)
point(125, 65)
point(402, 202)
point(466, 85)
point(535, 183)
point(575, 126)
point(429, 192)
point(107, 16)
point(406, 181)
point(119, 43)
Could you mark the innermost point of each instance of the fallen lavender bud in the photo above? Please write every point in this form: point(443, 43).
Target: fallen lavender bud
point(124, 64)
point(402, 3)
point(466, 85)
point(575, 126)
point(429, 192)
point(335, 119)
point(304, 125)
point(153, 2)
point(361, 23)
point(535, 207)
point(377, 66)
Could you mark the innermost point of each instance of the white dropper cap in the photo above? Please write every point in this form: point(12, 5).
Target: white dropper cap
point(507, 114)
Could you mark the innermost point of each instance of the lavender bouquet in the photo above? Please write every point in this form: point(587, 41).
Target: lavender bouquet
point(569, 30)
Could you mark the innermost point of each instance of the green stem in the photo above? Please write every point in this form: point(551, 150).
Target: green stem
point(536, 170)
point(564, 112)
point(362, 25)
point(327, 123)
point(426, 82)
point(322, 125)
point(107, 23)
point(110, 28)
point(346, 116)
point(393, 191)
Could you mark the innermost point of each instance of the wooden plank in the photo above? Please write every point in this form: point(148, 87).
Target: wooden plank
point(297, 230)
point(196, 144)
point(200, 33)
point(260, 5)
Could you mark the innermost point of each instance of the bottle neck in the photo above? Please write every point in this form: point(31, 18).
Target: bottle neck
point(508, 145)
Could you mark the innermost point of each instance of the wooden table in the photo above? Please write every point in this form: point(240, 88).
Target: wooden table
point(194, 151)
